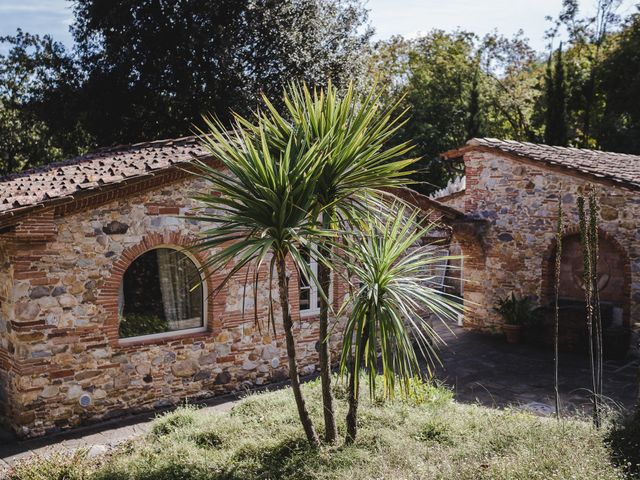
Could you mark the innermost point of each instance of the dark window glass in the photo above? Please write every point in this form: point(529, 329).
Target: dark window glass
point(161, 292)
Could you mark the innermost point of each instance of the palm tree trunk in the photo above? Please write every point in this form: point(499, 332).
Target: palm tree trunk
point(330, 433)
point(354, 394)
point(352, 414)
point(294, 377)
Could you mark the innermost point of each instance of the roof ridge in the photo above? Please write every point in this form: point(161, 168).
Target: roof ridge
point(484, 140)
point(621, 168)
point(145, 144)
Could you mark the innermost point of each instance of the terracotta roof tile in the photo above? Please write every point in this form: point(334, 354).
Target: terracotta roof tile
point(103, 167)
point(618, 167)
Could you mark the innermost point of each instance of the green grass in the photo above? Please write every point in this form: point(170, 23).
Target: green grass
point(429, 437)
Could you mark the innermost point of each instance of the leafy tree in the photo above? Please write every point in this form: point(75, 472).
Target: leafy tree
point(23, 140)
point(142, 70)
point(620, 75)
point(589, 44)
point(38, 81)
point(153, 67)
point(447, 80)
point(510, 87)
point(441, 72)
point(473, 123)
point(555, 132)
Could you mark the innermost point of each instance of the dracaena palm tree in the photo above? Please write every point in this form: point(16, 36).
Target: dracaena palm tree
point(394, 288)
point(259, 215)
point(351, 132)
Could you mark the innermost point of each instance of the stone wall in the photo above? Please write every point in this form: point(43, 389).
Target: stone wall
point(517, 200)
point(6, 279)
point(59, 320)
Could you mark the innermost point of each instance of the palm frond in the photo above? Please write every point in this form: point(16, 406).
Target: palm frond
point(394, 290)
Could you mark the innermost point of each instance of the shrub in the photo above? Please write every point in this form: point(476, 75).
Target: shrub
point(624, 439)
point(431, 439)
point(57, 466)
point(172, 421)
point(517, 311)
point(136, 324)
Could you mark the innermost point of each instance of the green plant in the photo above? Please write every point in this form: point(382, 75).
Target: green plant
point(556, 312)
point(387, 306)
point(172, 421)
point(434, 440)
point(259, 214)
point(297, 180)
point(517, 311)
point(56, 466)
point(136, 324)
point(353, 131)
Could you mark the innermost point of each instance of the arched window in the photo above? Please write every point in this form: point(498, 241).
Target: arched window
point(161, 293)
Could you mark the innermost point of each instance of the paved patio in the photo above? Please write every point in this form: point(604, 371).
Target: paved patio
point(478, 368)
point(486, 369)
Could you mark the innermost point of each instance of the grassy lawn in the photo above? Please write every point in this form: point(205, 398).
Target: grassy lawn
point(430, 437)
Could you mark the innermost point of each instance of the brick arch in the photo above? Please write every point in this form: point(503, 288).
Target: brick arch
point(108, 294)
point(477, 302)
point(547, 291)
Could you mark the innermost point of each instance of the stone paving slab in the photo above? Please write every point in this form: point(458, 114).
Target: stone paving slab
point(486, 369)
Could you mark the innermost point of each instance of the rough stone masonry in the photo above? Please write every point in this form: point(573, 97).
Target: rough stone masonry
point(512, 194)
point(61, 361)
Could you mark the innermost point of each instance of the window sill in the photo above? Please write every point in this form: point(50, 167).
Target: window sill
point(165, 337)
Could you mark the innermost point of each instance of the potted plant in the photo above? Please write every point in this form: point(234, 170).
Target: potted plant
point(515, 312)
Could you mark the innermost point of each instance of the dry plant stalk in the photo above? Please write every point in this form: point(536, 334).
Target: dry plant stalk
point(556, 332)
point(589, 239)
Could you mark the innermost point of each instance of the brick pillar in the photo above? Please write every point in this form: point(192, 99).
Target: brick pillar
point(469, 234)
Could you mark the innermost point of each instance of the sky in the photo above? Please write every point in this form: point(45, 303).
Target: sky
point(388, 17)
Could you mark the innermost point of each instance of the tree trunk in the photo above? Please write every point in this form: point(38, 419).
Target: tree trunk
point(283, 287)
point(354, 394)
point(352, 414)
point(324, 274)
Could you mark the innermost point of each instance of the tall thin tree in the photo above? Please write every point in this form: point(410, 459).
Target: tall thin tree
point(395, 288)
point(556, 130)
point(597, 314)
point(257, 212)
point(473, 122)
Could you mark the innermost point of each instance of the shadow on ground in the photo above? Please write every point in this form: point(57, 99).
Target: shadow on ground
point(485, 369)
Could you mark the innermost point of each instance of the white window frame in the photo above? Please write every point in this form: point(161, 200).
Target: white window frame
point(314, 296)
point(313, 288)
point(174, 333)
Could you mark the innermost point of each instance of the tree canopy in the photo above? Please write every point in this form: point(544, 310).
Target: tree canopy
point(148, 69)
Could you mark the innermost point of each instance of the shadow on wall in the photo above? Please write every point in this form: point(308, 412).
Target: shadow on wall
point(613, 289)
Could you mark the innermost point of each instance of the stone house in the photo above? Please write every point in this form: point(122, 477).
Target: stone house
point(97, 314)
point(510, 205)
